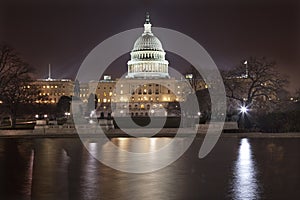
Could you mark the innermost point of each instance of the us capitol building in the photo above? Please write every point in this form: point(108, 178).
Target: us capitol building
point(147, 88)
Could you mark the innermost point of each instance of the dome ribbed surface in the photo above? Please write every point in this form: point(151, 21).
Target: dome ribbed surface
point(147, 42)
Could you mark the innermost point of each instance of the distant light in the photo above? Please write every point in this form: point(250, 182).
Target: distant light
point(92, 113)
point(107, 78)
point(243, 109)
point(45, 116)
point(246, 62)
point(36, 116)
point(199, 113)
point(152, 111)
point(189, 76)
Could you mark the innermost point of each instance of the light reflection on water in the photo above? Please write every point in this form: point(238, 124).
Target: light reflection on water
point(235, 169)
point(245, 184)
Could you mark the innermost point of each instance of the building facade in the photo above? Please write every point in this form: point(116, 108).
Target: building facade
point(52, 89)
point(147, 88)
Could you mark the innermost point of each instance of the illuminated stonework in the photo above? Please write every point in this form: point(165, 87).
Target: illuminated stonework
point(147, 56)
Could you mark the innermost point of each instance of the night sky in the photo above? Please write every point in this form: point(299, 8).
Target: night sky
point(64, 32)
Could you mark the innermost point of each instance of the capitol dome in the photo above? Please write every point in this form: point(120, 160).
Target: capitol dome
point(147, 56)
point(147, 42)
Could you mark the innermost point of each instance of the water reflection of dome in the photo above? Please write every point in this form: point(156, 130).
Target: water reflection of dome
point(147, 56)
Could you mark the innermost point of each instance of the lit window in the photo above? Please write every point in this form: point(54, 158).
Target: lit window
point(104, 100)
point(110, 94)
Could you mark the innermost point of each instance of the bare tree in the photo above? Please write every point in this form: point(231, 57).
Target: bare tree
point(15, 82)
point(256, 79)
point(194, 78)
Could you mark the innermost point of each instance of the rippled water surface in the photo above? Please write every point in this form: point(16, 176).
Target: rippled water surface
point(235, 169)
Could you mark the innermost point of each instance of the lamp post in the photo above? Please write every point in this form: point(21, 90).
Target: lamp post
point(244, 110)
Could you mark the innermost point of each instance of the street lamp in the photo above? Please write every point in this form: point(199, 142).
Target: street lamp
point(244, 109)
